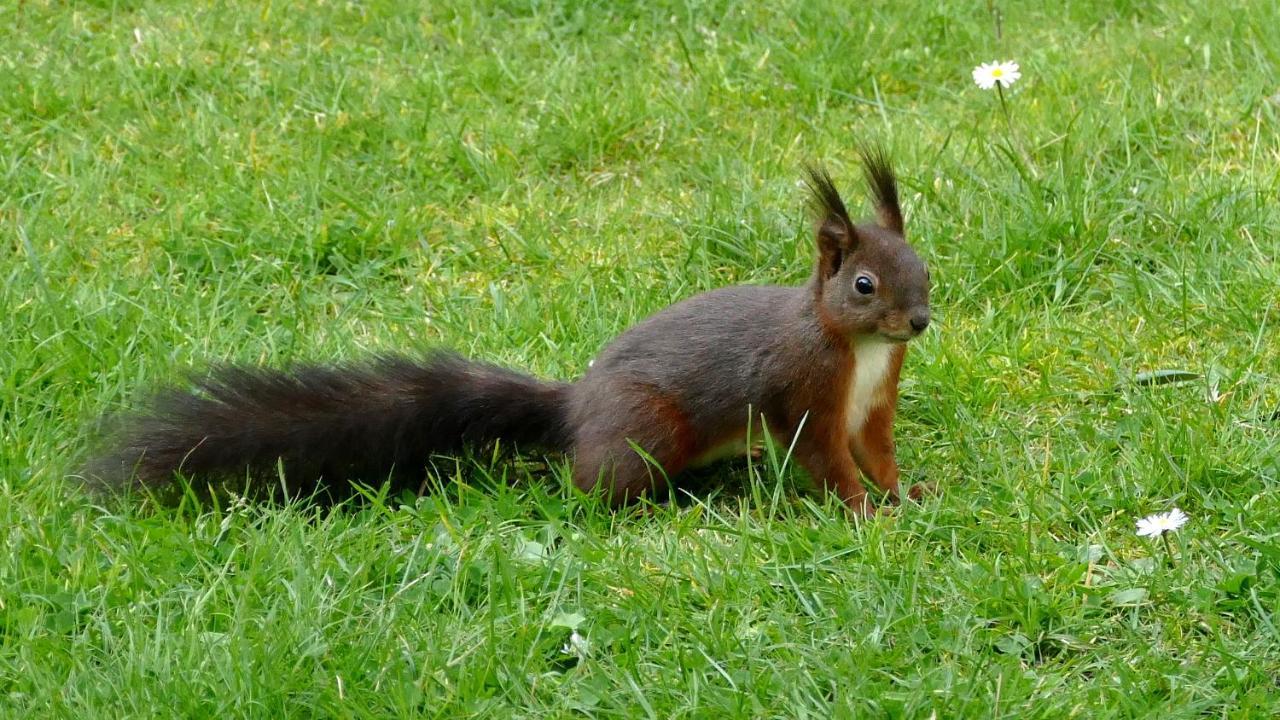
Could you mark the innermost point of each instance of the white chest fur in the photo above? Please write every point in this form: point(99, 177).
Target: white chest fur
point(871, 365)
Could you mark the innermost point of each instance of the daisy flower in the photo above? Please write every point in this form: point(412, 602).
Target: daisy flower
point(1161, 523)
point(577, 645)
point(988, 75)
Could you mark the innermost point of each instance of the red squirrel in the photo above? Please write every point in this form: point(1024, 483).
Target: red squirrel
point(818, 362)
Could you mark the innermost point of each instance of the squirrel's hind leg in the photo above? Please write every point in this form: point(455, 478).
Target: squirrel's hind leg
point(637, 448)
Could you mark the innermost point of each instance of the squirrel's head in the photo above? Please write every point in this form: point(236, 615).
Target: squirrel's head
point(868, 282)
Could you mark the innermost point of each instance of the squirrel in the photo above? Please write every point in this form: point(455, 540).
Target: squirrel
point(819, 363)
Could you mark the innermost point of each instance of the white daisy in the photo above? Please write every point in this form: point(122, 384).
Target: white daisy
point(987, 75)
point(1161, 523)
point(577, 645)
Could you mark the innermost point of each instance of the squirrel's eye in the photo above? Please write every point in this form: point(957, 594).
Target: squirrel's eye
point(864, 285)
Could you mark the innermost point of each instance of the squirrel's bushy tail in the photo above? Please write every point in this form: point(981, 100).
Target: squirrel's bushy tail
point(372, 422)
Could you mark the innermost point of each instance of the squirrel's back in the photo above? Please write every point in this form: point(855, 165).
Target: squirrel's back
point(713, 356)
point(719, 330)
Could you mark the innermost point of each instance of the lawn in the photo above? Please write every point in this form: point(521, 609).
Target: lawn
point(287, 181)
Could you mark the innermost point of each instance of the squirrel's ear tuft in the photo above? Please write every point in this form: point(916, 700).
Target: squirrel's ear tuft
point(884, 186)
point(835, 232)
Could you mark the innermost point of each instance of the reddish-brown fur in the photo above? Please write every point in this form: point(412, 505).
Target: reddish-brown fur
point(659, 397)
point(822, 446)
point(872, 445)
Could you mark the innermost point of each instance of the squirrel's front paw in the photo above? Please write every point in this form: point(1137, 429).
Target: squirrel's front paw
point(865, 509)
point(920, 491)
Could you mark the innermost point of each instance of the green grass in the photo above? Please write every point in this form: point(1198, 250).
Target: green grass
point(186, 183)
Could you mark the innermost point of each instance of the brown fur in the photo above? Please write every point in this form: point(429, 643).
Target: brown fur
point(660, 396)
point(822, 447)
point(872, 446)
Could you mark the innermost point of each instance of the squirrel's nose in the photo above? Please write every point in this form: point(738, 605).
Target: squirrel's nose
point(920, 321)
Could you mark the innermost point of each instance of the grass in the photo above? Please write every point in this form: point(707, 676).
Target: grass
point(285, 181)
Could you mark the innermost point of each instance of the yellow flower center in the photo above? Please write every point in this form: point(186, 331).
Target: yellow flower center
point(998, 72)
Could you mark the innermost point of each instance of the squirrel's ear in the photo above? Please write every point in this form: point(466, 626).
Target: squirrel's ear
point(884, 186)
point(836, 236)
point(835, 240)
